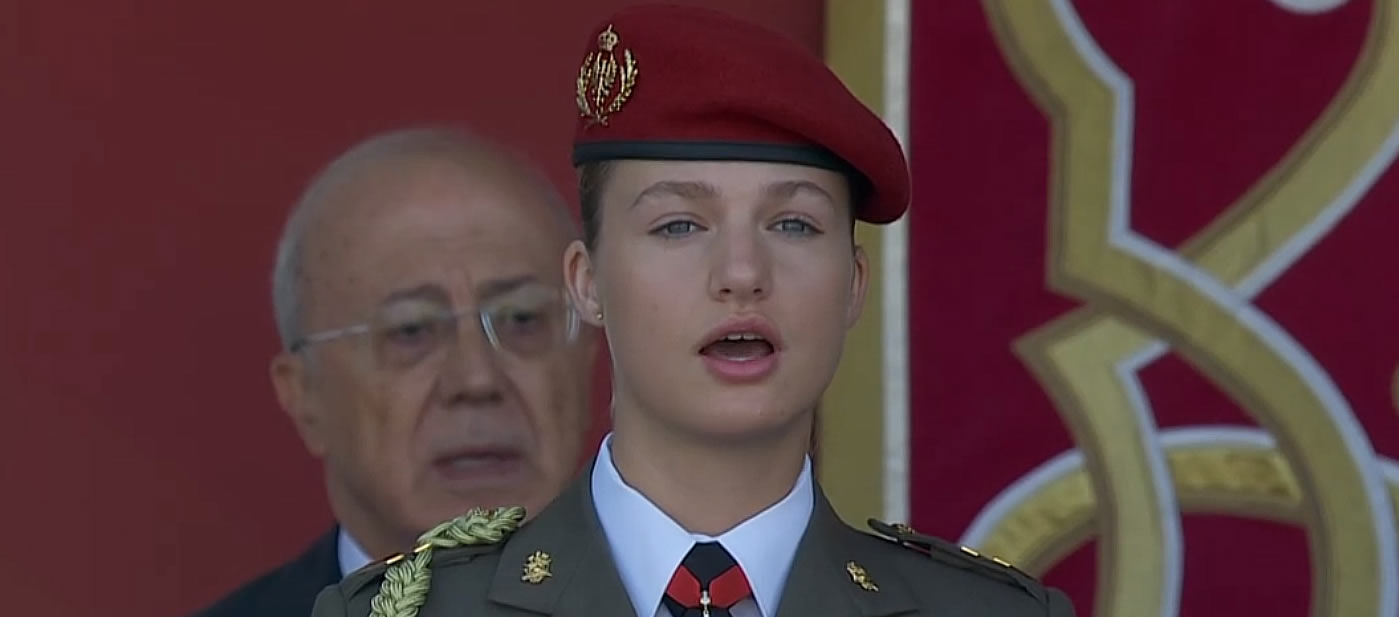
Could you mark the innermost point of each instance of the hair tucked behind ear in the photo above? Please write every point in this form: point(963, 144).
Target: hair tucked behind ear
point(592, 177)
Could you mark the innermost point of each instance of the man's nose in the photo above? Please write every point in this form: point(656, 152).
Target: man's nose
point(471, 374)
point(741, 267)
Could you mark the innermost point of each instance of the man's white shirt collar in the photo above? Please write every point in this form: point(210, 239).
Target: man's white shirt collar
point(352, 555)
point(647, 545)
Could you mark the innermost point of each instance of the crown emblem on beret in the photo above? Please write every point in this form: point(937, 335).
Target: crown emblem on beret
point(604, 82)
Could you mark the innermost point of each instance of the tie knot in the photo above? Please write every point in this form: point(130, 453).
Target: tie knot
point(707, 561)
point(708, 581)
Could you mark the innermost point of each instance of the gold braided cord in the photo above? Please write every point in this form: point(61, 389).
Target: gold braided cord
point(406, 582)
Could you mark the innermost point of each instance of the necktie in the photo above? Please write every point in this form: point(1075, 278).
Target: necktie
point(707, 584)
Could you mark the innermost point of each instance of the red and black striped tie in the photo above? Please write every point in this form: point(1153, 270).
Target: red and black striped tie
point(707, 584)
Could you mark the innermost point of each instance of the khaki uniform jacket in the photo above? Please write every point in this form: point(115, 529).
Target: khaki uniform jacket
point(837, 571)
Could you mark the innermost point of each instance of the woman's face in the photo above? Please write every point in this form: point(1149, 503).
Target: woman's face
point(727, 289)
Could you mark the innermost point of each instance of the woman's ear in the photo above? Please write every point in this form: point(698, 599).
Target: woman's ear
point(582, 282)
point(859, 285)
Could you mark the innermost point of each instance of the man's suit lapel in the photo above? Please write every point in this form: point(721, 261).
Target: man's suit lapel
point(583, 580)
point(320, 563)
point(821, 581)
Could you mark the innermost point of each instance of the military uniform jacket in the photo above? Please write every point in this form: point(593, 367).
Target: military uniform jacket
point(837, 571)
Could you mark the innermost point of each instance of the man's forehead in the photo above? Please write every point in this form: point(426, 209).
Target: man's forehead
point(459, 278)
point(483, 291)
point(404, 182)
point(399, 199)
point(430, 225)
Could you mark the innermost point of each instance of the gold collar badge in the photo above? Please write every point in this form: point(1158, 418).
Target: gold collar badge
point(537, 568)
point(860, 577)
point(604, 82)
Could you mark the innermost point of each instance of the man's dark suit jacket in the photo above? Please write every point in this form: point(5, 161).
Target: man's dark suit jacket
point(290, 589)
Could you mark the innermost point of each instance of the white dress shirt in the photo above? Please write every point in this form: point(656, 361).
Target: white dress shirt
point(647, 545)
point(352, 555)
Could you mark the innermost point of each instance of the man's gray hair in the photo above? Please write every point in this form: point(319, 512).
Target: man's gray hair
point(288, 271)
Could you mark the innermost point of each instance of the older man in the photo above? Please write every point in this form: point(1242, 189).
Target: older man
point(432, 360)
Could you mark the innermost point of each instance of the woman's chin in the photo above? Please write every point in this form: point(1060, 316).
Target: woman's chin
point(739, 424)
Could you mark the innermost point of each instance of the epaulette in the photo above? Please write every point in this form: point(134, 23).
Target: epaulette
point(961, 557)
point(371, 572)
point(374, 571)
point(404, 579)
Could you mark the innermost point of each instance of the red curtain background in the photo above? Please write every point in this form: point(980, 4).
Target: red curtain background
point(148, 152)
point(1223, 92)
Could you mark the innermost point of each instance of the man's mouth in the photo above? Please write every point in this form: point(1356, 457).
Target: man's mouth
point(468, 469)
point(471, 461)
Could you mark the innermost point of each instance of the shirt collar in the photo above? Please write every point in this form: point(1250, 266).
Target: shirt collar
point(352, 555)
point(647, 545)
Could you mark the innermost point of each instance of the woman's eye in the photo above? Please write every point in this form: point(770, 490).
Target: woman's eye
point(677, 228)
point(795, 226)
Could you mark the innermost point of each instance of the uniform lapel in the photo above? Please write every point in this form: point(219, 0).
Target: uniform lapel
point(822, 582)
point(582, 581)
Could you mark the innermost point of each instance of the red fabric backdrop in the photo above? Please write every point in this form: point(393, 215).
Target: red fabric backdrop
point(1222, 92)
point(148, 152)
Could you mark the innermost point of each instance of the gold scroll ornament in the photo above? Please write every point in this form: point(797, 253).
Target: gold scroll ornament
point(1319, 473)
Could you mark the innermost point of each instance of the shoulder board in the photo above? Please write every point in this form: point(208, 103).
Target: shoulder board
point(961, 557)
point(374, 572)
point(404, 576)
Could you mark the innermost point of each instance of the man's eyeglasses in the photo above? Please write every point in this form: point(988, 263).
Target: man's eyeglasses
point(526, 321)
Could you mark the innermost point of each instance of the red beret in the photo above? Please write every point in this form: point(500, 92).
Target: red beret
point(685, 83)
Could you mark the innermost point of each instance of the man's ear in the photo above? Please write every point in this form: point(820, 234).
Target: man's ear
point(582, 283)
point(289, 379)
point(859, 285)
